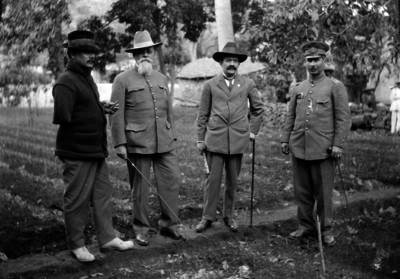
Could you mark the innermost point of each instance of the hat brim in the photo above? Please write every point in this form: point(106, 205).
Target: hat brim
point(219, 56)
point(315, 56)
point(90, 48)
point(134, 49)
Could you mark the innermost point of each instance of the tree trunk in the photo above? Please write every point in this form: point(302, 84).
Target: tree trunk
point(223, 17)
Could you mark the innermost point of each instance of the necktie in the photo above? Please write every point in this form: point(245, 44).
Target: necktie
point(230, 81)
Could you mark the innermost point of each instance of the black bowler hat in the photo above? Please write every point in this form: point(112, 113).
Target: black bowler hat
point(82, 40)
point(314, 49)
point(230, 49)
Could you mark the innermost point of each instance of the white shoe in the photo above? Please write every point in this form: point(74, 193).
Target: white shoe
point(82, 254)
point(118, 244)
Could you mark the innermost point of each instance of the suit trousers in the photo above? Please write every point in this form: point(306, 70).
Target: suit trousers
point(313, 187)
point(166, 174)
point(87, 184)
point(216, 163)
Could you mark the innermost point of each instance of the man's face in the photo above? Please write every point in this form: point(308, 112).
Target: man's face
point(144, 54)
point(230, 66)
point(144, 59)
point(85, 59)
point(315, 65)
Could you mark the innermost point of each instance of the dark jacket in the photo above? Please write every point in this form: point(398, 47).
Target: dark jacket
point(318, 118)
point(78, 111)
point(144, 122)
point(223, 116)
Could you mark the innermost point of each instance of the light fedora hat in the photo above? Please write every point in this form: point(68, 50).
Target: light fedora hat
point(142, 40)
point(230, 49)
point(82, 40)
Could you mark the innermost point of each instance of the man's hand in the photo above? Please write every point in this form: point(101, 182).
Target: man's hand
point(121, 151)
point(252, 136)
point(110, 107)
point(285, 148)
point(336, 152)
point(201, 146)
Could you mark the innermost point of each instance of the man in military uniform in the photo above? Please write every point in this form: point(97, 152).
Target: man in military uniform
point(329, 69)
point(144, 133)
point(317, 123)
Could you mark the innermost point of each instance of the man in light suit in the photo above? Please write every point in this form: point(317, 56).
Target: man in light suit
point(224, 131)
point(143, 132)
point(317, 123)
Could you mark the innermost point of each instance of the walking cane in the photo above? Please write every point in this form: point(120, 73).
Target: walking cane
point(350, 229)
point(252, 183)
point(155, 189)
point(337, 164)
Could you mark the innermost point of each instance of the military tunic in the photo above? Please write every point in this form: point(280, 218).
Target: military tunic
point(144, 123)
point(318, 118)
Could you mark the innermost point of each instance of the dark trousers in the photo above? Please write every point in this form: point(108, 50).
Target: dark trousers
point(87, 184)
point(166, 173)
point(216, 163)
point(313, 187)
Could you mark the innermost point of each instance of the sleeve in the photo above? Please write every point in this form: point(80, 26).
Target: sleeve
point(170, 115)
point(117, 120)
point(290, 117)
point(342, 116)
point(204, 112)
point(256, 109)
point(64, 102)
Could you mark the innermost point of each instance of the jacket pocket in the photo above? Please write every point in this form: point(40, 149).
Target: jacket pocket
point(136, 94)
point(135, 127)
point(323, 104)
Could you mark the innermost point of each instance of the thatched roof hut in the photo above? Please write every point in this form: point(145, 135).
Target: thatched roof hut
point(192, 76)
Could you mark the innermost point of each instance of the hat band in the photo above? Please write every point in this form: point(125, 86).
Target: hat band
point(313, 51)
point(143, 44)
point(81, 42)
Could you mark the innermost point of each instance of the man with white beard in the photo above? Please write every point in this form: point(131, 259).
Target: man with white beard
point(143, 133)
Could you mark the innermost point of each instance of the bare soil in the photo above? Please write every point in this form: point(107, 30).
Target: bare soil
point(372, 250)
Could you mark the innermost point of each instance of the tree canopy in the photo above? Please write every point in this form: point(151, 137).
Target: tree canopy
point(358, 32)
point(28, 28)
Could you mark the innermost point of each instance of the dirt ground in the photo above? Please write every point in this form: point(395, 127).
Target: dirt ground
point(368, 246)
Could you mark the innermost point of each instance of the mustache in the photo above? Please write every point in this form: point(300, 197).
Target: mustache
point(145, 60)
point(232, 68)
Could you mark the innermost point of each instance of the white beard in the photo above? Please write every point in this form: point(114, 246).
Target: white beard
point(145, 68)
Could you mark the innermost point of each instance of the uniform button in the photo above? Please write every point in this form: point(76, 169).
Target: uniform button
point(154, 101)
point(308, 113)
point(312, 85)
point(309, 99)
point(156, 117)
point(152, 93)
point(155, 109)
point(306, 128)
point(307, 120)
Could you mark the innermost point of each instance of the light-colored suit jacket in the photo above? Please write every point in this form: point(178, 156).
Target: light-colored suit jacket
point(223, 117)
point(144, 121)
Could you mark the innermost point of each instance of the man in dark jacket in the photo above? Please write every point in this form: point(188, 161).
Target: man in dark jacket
point(143, 133)
point(81, 146)
point(317, 123)
point(224, 131)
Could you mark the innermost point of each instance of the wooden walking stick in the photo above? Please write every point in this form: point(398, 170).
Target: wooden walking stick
point(321, 251)
point(252, 183)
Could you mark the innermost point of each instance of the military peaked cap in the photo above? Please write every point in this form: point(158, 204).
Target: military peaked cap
point(314, 49)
